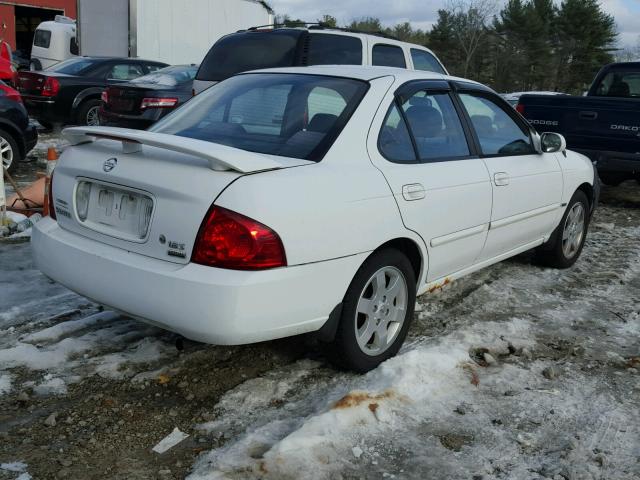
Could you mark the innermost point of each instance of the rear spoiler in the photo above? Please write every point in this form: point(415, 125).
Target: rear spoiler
point(220, 157)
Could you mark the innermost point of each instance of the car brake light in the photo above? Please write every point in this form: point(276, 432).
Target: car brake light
point(10, 93)
point(52, 208)
point(104, 96)
point(158, 103)
point(230, 240)
point(51, 87)
point(520, 109)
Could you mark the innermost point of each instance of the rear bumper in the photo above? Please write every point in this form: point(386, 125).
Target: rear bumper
point(43, 109)
point(206, 304)
point(30, 138)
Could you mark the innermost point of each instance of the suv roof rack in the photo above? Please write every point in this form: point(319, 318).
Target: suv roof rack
point(318, 26)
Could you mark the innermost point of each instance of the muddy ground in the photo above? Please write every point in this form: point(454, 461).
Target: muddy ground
point(88, 399)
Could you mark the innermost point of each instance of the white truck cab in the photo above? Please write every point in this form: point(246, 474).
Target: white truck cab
point(53, 42)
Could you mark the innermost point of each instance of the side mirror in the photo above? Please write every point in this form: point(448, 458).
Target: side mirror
point(552, 142)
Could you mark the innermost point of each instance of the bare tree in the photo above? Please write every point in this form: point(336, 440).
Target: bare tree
point(470, 25)
point(629, 53)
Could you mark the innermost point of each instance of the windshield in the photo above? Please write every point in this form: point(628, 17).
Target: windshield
point(290, 115)
point(73, 66)
point(241, 52)
point(169, 76)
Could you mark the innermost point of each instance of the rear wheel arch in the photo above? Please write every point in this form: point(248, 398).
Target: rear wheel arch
point(411, 250)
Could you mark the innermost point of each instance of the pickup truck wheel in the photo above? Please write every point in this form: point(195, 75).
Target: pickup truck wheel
point(565, 245)
point(88, 112)
point(377, 312)
point(9, 151)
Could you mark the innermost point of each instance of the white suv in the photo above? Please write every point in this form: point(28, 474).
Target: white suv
point(258, 48)
point(328, 210)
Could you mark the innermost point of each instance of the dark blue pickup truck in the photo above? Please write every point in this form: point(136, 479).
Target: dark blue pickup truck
point(603, 125)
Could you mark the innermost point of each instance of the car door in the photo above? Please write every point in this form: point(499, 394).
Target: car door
point(527, 185)
point(441, 186)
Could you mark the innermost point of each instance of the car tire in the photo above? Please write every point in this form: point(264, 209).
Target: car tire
point(565, 244)
point(9, 151)
point(612, 179)
point(88, 112)
point(381, 298)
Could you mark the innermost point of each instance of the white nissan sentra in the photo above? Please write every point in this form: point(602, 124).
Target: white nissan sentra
point(318, 199)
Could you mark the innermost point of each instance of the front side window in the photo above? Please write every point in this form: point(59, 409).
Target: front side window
point(423, 60)
point(329, 49)
point(498, 133)
point(127, 71)
point(289, 115)
point(42, 38)
point(619, 84)
point(388, 56)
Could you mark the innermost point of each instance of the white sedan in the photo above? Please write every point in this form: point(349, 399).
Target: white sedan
point(298, 200)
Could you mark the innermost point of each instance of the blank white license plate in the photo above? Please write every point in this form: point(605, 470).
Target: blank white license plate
point(118, 212)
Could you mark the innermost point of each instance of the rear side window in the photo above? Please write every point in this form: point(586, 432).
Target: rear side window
point(394, 141)
point(388, 56)
point(423, 60)
point(328, 49)
point(245, 51)
point(435, 126)
point(42, 38)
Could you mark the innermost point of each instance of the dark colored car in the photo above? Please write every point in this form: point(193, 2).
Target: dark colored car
point(143, 101)
point(17, 135)
point(604, 124)
point(69, 92)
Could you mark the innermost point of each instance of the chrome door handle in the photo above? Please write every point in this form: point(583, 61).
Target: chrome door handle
point(413, 191)
point(501, 179)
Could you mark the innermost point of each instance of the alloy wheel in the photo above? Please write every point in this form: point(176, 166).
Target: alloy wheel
point(573, 232)
point(381, 310)
point(7, 153)
point(92, 117)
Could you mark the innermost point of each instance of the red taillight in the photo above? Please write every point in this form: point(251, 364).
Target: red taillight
point(230, 240)
point(104, 96)
point(51, 87)
point(158, 103)
point(10, 93)
point(52, 209)
point(520, 109)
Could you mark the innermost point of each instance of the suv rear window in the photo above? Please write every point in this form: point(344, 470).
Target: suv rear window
point(328, 49)
point(423, 60)
point(240, 52)
point(42, 38)
point(388, 56)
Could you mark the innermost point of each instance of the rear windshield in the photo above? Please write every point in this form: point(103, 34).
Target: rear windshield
point(621, 83)
point(73, 66)
point(290, 115)
point(169, 76)
point(42, 38)
point(240, 52)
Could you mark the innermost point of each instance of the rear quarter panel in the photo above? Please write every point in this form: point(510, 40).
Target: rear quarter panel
point(338, 207)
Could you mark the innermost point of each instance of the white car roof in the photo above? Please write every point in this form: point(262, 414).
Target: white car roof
point(364, 72)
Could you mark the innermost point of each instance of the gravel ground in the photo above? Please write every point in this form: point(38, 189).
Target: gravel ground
point(514, 372)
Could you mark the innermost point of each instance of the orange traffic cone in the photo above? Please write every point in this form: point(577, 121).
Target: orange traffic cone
point(52, 159)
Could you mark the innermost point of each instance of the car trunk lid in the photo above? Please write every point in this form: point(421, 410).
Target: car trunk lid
point(150, 200)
